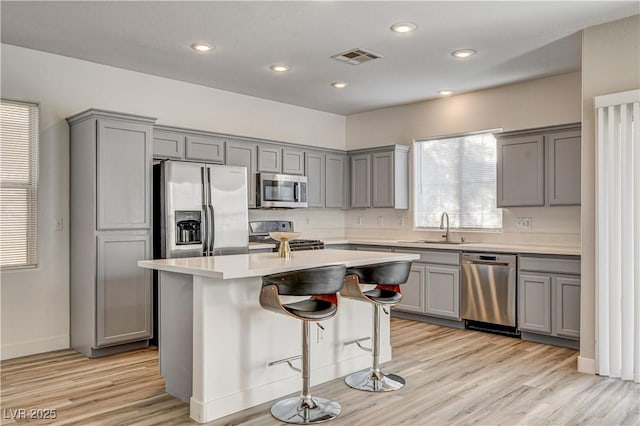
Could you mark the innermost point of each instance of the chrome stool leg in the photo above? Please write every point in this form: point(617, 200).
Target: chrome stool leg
point(374, 380)
point(305, 409)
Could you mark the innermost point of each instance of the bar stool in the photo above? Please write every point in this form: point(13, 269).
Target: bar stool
point(322, 284)
point(387, 277)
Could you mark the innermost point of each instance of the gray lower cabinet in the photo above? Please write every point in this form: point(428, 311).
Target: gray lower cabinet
point(110, 228)
point(549, 296)
point(566, 306)
point(336, 181)
point(413, 291)
point(442, 291)
point(539, 167)
point(123, 290)
point(534, 308)
point(433, 288)
point(380, 177)
point(292, 161)
point(241, 153)
point(315, 171)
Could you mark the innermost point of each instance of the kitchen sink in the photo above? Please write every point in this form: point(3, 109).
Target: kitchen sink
point(434, 242)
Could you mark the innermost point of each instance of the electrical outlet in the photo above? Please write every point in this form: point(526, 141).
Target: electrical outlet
point(358, 220)
point(380, 220)
point(401, 221)
point(59, 224)
point(523, 222)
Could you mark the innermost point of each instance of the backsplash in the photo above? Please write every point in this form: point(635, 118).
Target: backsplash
point(548, 225)
point(558, 226)
point(313, 223)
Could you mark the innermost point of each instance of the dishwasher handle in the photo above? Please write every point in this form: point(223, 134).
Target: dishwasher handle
point(489, 259)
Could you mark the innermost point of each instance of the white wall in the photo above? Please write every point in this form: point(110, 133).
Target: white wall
point(35, 303)
point(610, 64)
point(543, 102)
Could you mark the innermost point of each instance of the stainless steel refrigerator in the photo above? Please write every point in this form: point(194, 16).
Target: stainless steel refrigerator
point(200, 210)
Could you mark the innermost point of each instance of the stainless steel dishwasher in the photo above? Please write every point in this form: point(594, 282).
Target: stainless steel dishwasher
point(489, 292)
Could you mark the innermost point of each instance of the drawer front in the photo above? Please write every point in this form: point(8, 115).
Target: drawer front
point(434, 256)
point(550, 264)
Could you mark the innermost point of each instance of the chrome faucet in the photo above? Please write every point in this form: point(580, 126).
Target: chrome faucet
point(446, 236)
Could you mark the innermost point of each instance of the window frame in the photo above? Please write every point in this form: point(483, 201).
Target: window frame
point(32, 200)
point(417, 177)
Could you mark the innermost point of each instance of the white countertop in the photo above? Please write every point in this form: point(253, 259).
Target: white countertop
point(261, 264)
point(485, 247)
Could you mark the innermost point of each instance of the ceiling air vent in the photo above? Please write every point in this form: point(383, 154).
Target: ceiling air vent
point(356, 56)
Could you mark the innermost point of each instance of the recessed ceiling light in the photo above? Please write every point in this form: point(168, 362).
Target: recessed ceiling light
point(403, 27)
point(280, 68)
point(463, 53)
point(202, 47)
point(445, 92)
point(339, 84)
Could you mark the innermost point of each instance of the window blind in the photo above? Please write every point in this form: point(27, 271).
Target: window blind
point(457, 175)
point(18, 184)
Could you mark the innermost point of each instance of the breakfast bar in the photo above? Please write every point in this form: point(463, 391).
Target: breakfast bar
point(215, 341)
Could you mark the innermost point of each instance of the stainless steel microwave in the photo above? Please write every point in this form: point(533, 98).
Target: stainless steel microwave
point(281, 191)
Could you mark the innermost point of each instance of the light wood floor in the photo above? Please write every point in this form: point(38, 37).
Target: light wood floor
point(453, 377)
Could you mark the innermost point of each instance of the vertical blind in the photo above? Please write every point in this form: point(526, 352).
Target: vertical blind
point(618, 235)
point(18, 184)
point(457, 175)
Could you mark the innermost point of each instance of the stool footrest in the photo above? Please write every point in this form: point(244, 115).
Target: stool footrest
point(288, 361)
point(357, 342)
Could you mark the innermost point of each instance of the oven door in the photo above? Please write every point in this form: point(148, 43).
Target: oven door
point(284, 191)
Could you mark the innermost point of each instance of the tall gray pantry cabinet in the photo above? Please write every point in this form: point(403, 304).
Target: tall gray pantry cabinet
point(110, 229)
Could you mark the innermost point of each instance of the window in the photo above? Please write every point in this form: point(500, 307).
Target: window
point(18, 184)
point(457, 175)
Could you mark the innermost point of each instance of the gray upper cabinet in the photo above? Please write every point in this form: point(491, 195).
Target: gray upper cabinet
point(123, 176)
point(520, 177)
point(292, 161)
point(110, 231)
point(539, 167)
point(269, 158)
point(241, 153)
point(380, 177)
point(337, 181)
point(563, 172)
point(361, 181)
point(204, 148)
point(168, 145)
point(315, 167)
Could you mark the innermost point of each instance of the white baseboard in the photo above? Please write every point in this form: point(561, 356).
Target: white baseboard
point(586, 365)
point(31, 347)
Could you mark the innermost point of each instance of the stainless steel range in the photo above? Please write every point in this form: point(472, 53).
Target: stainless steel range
point(259, 233)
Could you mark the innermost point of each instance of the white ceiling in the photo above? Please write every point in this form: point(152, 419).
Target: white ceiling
point(516, 41)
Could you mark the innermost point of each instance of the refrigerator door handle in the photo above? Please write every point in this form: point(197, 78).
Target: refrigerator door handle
point(210, 224)
point(205, 201)
point(205, 239)
point(212, 238)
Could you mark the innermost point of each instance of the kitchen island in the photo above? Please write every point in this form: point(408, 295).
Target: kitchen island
point(215, 340)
